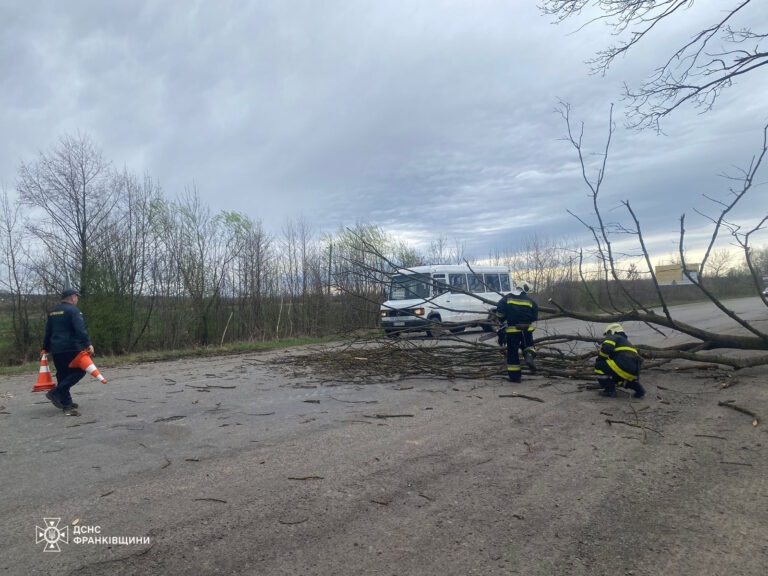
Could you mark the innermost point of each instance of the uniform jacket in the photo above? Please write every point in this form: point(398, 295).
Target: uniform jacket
point(618, 351)
point(517, 309)
point(65, 330)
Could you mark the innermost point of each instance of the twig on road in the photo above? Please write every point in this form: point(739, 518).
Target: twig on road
point(632, 424)
point(354, 401)
point(516, 395)
point(729, 404)
point(207, 386)
point(170, 418)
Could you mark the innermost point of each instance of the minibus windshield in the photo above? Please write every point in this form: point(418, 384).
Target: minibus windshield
point(409, 286)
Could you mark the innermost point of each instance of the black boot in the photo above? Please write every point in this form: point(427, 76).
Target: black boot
point(638, 388)
point(603, 382)
point(54, 398)
point(514, 376)
point(610, 388)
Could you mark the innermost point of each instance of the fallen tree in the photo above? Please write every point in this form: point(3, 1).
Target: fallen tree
point(565, 355)
point(695, 74)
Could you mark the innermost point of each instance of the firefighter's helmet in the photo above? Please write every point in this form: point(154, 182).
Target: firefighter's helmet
point(614, 328)
point(525, 286)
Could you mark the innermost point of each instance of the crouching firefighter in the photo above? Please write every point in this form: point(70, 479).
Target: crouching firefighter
point(618, 363)
point(518, 312)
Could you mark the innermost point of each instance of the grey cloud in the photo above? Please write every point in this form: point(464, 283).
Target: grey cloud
point(425, 118)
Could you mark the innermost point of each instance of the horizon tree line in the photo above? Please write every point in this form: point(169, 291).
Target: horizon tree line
point(160, 273)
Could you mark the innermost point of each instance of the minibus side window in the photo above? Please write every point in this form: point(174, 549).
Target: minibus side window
point(458, 283)
point(408, 286)
point(491, 283)
point(505, 283)
point(438, 284)
point(476, 283)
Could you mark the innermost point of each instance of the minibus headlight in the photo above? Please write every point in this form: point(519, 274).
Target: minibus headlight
point(418, 312)
point(384, 313)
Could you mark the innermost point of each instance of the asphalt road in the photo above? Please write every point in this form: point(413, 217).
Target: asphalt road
point(234, 466)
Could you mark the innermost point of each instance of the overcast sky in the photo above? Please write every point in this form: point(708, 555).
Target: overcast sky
point(425, 117)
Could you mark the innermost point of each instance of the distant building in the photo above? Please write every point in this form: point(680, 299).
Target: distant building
point(672, 274)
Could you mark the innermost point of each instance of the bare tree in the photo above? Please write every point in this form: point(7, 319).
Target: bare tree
point(607, 259)
point(121, 265)
point(541, 260)
point(701, 67)
point(16, 276)
point(442, 251)
point(202, 245)
point(742, 235)
point(76, 189)
point(254, 266)
point(718, 264)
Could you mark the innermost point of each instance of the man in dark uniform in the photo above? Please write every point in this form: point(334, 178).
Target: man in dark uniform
point(618, 363)
point(519, 312)
point(65, 338)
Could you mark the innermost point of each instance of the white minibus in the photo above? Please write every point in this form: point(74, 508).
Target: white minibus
point(442, 297)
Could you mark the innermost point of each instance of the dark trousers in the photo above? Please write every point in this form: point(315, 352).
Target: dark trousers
point(609, 379)
point(66, 377)
point(521, 336)
point(514, 339)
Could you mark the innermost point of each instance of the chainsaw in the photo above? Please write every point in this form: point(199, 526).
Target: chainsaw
point(499, 334)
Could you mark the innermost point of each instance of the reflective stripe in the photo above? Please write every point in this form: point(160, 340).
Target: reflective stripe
point(520, 303)
point(609, 342)
point(627, 348)
point(619, 371)
point(598, 371)
point(513, 368)
point(603, 354)
point(530, 328)
point(512, 330)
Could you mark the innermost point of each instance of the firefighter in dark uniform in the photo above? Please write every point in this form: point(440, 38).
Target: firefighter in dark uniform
point(65, 338)
point(518, 312)
point(618, 363)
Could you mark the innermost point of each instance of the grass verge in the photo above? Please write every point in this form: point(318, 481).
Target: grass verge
point(169, 355)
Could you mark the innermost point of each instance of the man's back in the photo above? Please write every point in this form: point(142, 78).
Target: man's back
point(518, 308)
point(65, 330)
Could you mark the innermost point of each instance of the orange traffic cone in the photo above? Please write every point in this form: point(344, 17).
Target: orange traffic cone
point(44, 380)
point(84, 362)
